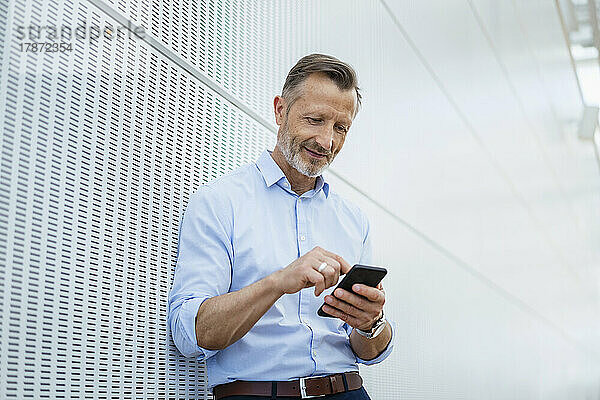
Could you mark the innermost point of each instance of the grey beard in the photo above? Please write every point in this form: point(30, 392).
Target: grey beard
point(286, 145)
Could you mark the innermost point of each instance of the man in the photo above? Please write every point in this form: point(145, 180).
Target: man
point(254, 241)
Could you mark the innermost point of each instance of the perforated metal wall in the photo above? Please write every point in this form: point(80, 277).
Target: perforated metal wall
point(101, 147)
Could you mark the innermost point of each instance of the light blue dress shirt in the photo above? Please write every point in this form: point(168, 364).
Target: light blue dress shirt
point(237, 230)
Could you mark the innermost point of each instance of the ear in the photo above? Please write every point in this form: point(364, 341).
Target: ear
point(279, 106)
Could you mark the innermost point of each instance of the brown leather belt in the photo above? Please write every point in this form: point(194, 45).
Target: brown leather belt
point(304, 387)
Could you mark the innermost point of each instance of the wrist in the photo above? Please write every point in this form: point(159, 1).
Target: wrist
point(275, 283)
point(375, 329)
point(372, 324)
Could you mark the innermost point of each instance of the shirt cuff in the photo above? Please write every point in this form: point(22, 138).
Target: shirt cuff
point(385, 352)
point(187, 318)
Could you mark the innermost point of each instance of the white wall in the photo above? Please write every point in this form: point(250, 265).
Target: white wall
point(470, 141)
point(467, 135)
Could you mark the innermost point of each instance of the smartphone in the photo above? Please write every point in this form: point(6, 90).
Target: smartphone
point(364, 274)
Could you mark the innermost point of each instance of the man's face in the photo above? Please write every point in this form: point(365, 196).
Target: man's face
point(313, 131)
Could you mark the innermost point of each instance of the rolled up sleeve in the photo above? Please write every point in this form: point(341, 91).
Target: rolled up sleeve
point(384, 354)
point(203, 269)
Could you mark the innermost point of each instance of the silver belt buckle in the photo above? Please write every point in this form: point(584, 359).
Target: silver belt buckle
point(303, 389)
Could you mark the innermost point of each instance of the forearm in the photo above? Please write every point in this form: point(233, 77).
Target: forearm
point(368, 349)
point(223, 320)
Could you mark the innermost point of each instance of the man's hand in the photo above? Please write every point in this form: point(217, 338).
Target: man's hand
point(303, 272)
point(214, 332)
point(360, 310)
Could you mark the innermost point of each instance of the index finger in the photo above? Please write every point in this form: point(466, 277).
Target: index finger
point(345, 267)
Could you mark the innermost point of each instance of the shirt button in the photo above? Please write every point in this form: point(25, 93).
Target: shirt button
point(302, 237)
point(314, 353)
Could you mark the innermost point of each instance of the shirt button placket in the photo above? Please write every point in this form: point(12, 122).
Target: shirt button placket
point(305, 301)
point(302, 236)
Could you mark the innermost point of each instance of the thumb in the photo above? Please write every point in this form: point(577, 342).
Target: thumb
point(345, 267)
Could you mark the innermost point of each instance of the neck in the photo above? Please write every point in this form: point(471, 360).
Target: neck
point(300, 183)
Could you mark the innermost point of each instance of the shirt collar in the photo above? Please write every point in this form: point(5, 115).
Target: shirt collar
point(272, 173)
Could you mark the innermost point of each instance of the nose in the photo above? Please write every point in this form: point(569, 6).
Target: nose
point(325, 138)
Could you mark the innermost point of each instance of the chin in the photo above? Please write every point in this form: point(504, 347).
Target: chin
point(310, 173)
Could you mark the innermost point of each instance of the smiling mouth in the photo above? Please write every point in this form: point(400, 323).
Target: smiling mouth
point(313, 154)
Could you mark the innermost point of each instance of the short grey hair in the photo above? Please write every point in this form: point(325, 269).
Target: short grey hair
point(342, 74)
